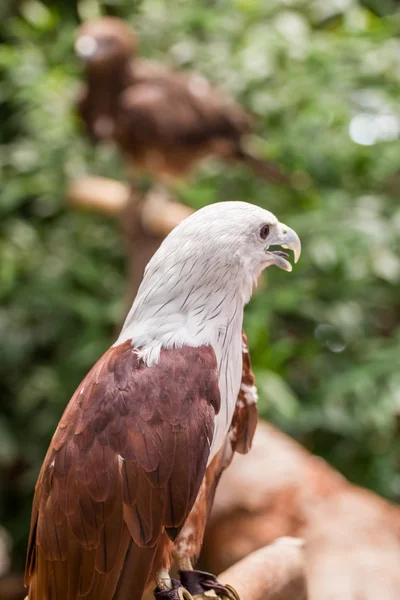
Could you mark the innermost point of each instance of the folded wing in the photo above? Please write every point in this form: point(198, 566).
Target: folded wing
point(123, 468)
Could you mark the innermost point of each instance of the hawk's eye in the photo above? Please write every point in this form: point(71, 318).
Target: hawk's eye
point(264, 231)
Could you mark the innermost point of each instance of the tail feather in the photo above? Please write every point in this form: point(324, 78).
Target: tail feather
point(136, 571)
point(265, 169)
point(133, 571)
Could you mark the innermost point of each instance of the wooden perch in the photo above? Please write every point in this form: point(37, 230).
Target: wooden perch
point(275, 572)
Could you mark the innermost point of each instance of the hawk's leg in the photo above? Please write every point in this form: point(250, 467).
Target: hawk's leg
point(169, 589)
point(201, 585)
point(163, 580)
point(166, 587)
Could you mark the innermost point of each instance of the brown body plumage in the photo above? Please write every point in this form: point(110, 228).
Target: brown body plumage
point(119, 482)
point(163, 121)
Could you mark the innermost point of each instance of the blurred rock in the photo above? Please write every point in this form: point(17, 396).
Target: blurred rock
point(352, 537)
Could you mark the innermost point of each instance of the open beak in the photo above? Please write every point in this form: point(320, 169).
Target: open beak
point(285, 238)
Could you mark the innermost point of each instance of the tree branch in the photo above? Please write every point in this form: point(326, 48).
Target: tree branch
point(275, 572)
point(159, 213)
point(98, 194)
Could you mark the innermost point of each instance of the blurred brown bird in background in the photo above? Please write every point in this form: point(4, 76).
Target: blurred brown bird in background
point(163, 121)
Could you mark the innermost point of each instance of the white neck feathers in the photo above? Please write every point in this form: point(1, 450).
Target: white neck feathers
point(187, 302)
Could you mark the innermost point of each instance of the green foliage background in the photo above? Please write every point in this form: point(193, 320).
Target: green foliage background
point(325, 340)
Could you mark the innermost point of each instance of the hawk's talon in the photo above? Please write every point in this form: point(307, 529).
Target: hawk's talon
point(198, 583)
point(176, 592)
point(232, 591)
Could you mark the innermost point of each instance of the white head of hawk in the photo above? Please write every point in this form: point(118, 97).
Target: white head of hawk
point(196, 285)
point(130, 454)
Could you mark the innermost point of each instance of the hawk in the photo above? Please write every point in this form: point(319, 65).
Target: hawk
point(121, 490)
point(163, 121)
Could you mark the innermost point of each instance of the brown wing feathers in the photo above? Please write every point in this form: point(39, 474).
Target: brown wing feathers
point(245, 417)
point(126, 461)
